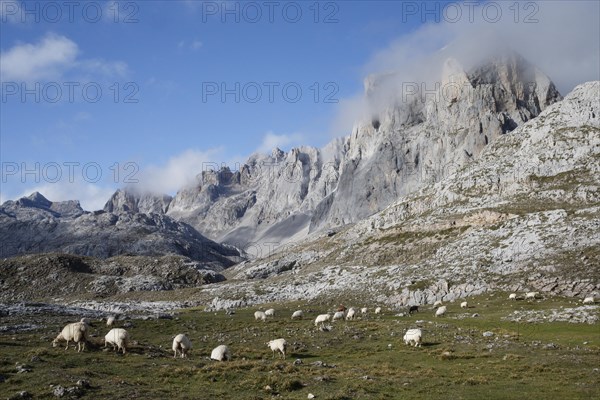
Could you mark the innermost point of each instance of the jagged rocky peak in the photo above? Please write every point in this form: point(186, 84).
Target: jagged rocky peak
point(133, 200)
point(419, 138)
point(506, 83)
point(224, 176)
point(37, 199)
point(531, 90)
point(68, 208)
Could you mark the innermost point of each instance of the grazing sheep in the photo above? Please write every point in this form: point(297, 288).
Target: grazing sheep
point(440, 311)
point(437, 304)
point(76, 332)
point(589, 300)
point(182, 344)
point(278, 345)
point(270, 312)
point(260, 315)
point(413, 309)
point(464, 304)
point(297, 314)
point(512, 296)
point(118, 338)
point(221, 353)
point(110, 320)
point(350, 314)
point(338, 315)
point(364, 310)
point(413, 336)
point(378, 310)
point(322, 318)
point(532, 295)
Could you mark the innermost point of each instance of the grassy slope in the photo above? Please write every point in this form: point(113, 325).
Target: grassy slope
point(517, 366)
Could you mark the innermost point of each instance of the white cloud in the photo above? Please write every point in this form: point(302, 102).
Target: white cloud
point(196, 44)
point(51, 58)
point(193, 45)
point(564, 43)
point(104, 68)
point(46, 59)
point(178, 171)
point(271, 140)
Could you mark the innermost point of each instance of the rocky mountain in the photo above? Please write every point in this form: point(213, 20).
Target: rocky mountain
point(522, 216)
point(489, 183)
point(36, 225)
point(413, 142)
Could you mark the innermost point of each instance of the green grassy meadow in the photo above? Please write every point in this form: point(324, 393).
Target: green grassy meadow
point(361, 359)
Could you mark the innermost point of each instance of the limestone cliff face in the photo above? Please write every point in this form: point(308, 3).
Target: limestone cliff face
point(414, 141)
point(423, 138)
point(124, 200)
point(271, 198)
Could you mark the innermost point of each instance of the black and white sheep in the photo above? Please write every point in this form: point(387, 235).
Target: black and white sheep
point(413, 337)
point(181, 344)
point(279, 345)
point(221, 353)
point(118, 338)
point(322, 318)
point(76, 332)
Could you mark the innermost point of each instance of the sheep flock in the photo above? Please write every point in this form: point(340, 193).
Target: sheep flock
point(119, 339)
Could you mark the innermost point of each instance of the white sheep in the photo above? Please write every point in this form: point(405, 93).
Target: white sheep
point(364, 310)
point(440, 311)
point(464, 304)
point(350, 314)
point(378, 310)
point(413, 336)
point(181, 344)
point(437, 304)
point(270, 312)
point(260, 315)
point(297, 314)
point(278, 345)
point(589, 300)
point(512, 296)
point(110, 321)
point(322, 318)
point(221, 353)
point(532, 295)
point(118, 339)
point(338, 315)
point(76, 332)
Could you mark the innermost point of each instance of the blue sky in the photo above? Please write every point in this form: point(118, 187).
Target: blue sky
point(161, 67)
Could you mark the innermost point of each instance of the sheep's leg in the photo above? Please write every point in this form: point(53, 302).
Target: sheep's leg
point(67, 348)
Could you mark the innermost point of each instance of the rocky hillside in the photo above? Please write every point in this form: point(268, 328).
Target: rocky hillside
point(36, 225)
point(522, 216)
point(68, 277)
point(411, 143)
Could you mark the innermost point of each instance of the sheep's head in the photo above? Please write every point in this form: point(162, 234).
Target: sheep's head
point(55, 341)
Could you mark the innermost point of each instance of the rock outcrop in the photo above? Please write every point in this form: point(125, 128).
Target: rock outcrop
point(36, 225)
